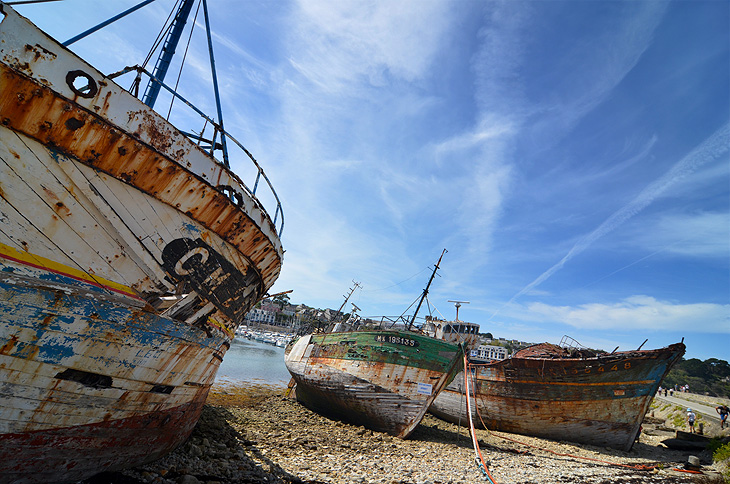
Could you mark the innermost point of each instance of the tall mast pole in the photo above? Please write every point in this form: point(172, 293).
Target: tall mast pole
point(168, 51)
point(357, 284)
point(425, 291)
point(107, 22)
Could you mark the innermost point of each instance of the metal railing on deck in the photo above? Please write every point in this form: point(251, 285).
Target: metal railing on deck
point(213, 145)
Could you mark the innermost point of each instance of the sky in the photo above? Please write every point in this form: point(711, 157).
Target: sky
point(571, 156)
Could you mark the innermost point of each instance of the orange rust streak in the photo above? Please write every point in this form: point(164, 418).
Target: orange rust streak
point(74, 131)
point(612, 383)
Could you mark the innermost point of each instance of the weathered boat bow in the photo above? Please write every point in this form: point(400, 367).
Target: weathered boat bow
point(383, 377)
point(563, 393)
point(128, 255)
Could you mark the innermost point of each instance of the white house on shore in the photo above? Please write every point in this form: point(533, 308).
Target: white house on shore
point(488, 353)
point(265, 316)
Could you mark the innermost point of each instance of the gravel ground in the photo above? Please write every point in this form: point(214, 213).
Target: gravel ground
point(259, 436)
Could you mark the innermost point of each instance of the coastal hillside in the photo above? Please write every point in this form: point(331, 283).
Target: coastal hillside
point(710, 377)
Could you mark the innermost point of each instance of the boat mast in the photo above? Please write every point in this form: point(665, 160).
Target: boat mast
point(425, 291)
point(106, 22)
point(356, 285)
point(168, 51)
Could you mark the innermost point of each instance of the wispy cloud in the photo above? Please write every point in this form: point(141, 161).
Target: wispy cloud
point(549, 102)
point(636, 313)
point(710, 150)
point(704, 234)
point(366, 42)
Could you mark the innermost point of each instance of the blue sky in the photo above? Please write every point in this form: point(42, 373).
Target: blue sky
point(571, 156)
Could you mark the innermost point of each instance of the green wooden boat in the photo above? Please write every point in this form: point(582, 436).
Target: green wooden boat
point(383, 379)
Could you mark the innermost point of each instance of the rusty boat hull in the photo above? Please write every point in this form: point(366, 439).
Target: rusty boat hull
point(127, 256)
point(383, 380)
point(541, 392)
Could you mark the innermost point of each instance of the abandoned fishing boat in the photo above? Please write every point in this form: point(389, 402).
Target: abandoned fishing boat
point(562, 392)
point(383, 378)
point(128, 253)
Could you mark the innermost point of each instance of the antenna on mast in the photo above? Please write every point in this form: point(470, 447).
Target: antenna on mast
point(458, 305)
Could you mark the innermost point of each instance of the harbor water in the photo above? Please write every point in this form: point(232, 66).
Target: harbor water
point(250, 361)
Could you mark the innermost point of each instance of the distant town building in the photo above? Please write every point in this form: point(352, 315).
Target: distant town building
point(489, 353)
point(268, 305)
point(264, 316)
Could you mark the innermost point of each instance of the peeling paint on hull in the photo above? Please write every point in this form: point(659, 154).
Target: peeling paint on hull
point(43, 455)
point(93, 384)
point(384, 380)
point(599, 401)
point(127, 257)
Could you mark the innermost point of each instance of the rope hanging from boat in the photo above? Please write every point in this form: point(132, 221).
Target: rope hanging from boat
point(478, 457)
point(467, 371)
point(638, 467)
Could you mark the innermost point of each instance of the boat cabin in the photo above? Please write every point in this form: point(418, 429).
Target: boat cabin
point(452, 331)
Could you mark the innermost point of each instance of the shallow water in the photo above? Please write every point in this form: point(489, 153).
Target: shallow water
point(255, 362)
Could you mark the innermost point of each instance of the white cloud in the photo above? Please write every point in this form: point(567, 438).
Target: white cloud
point(636, 313)
point(494, 129)
point(345, 42)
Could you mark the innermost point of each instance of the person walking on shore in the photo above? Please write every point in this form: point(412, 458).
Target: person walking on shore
point(723, 410)
point(691, 420)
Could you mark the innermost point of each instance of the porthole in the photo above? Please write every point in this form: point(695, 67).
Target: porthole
point(232, 194)
point(82, 84)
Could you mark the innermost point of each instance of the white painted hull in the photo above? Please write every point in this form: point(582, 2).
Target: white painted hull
point(107, 213)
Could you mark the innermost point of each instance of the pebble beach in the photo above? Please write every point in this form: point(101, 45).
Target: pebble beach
point(258, 435)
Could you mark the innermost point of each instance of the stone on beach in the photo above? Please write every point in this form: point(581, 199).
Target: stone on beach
point(254, 437)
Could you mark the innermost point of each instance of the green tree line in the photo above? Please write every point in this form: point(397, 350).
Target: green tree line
point(710, 376)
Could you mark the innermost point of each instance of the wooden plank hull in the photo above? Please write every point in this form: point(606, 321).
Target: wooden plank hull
point(90, 385)
point(68, 453)
point(107, 213)
point(599, 401)
point(384, 380)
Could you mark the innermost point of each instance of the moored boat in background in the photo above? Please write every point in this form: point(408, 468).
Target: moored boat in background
point(128, 255)
point(563, 393)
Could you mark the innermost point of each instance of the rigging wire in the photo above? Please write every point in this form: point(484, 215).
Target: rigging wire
point(24, 2)
point(163, 32)
point(399, 283)
point(409, 307)
point(182, 63)
point(160, 36)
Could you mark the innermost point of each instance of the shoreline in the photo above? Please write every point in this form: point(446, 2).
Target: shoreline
point(254, 434)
